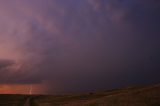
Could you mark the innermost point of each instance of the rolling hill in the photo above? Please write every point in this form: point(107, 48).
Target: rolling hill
point(131, 96)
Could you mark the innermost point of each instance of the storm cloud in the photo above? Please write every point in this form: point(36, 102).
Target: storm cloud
point(80, 45)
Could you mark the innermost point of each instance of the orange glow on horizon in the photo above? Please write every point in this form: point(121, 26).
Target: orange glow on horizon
point(21, 89)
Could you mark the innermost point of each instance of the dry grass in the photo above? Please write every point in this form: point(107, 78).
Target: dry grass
point(12, 100)
point(143, 96)
point(136, 96)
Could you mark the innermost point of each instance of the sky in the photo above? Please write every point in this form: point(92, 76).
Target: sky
point(74, 46)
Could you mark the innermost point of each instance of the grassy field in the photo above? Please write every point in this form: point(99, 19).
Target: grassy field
point(12, 100)
point(133, 96)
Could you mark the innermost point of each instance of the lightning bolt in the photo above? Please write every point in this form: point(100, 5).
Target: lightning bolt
point(30, 90)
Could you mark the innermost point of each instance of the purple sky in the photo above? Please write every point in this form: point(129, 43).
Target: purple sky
point(79, 45)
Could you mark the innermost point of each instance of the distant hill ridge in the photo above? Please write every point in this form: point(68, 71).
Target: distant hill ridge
point(130, 96)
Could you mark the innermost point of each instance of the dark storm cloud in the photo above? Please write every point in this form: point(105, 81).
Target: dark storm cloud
point(5, 66)
point(5, 63)
point(81, 45)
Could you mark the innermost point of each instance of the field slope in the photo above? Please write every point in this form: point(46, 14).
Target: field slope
point(133, 96)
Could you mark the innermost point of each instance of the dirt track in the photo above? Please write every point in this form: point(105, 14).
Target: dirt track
point(27, 102)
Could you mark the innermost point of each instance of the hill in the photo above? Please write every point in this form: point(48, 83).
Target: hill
point(132, 96)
